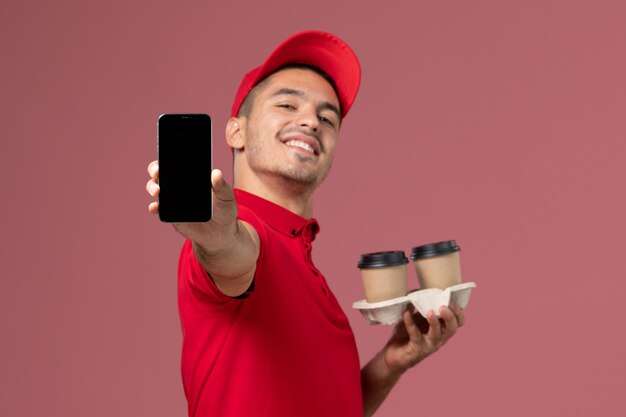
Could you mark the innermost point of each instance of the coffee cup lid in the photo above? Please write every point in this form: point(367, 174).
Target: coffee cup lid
point(382, 259)
point(434, 249)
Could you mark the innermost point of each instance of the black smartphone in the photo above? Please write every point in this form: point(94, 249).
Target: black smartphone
point(185, 163)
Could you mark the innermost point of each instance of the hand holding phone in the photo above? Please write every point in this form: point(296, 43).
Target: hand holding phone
point(184, 168)
point(219, 232)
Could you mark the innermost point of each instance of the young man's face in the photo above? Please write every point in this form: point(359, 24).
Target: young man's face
point(292, 129)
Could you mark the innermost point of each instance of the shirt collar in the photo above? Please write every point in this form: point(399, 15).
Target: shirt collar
point(278, 217)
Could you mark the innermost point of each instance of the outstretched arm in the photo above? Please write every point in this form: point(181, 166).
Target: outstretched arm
point(226, 247)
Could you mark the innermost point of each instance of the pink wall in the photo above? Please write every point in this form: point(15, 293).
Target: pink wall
point(499, 124)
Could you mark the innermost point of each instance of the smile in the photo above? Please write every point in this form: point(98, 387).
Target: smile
point(300, 144)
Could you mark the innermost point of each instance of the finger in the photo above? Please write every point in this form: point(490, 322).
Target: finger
point(153, 169)
point(411, 328)
point(434, 332)
point(449, 320)
point(153, 188)
point(221, 189)
point(458, 312)
point(224, 204)
point(421, 322)
point(153, 207)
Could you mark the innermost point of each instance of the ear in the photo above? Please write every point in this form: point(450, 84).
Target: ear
point(235, 136)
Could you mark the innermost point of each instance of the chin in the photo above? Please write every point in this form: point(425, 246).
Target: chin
point(301, 179)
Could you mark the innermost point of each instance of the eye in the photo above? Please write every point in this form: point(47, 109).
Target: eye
point(287, 106)
point(327, 121)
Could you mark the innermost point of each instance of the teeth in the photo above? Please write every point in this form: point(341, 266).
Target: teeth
point(300, 144)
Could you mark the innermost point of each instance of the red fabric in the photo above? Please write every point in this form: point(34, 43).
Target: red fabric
point(313, 47)
point(285, 350)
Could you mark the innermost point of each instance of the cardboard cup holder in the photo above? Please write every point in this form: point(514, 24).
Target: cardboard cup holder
point(390, 311)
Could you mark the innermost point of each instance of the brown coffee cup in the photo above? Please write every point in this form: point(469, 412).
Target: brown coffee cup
point(384, 275)
point(438, 265)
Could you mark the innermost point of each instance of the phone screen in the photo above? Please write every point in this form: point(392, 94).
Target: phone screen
point(184, 149)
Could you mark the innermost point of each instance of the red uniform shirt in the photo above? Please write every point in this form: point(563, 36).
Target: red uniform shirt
point(285, 350)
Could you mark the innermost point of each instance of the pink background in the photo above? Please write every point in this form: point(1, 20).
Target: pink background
point(498, 124)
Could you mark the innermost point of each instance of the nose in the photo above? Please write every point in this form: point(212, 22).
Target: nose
point(307, 117)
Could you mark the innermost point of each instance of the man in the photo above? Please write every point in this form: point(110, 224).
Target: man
point(263, 333)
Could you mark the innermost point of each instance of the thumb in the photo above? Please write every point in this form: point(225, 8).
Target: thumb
point(224, 204)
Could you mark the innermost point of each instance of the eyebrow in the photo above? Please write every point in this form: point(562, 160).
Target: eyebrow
point(299, 93)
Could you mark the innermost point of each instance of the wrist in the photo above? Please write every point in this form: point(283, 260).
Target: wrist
point(390, 370)
point(398, 363)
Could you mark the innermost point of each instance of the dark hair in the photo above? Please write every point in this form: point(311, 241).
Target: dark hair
point(246, 106)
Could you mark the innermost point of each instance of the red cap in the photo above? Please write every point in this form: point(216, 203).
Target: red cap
point(318, 49)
